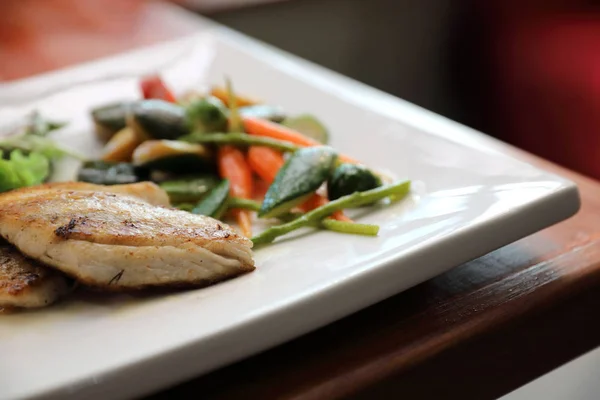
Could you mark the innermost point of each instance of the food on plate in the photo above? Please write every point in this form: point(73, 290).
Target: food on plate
point(25, 283)
point(215, 203)
point(317, 215)
point(111, 173)
point(237, 142)
point(27, 155)
point(118, 239)
point(172, 156)
point(157, 119)
point(121, 145)
point(349, 178)
point(298, 179)
point(110, 119)
point(174, 198)
point(308, 126)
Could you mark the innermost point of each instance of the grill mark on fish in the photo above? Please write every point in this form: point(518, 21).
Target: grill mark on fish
point(64, 231)
point(115, 279)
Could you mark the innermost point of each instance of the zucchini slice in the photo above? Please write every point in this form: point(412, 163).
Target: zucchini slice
point(301, 175)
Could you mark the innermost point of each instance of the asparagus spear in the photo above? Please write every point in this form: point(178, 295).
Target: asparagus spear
point(246, 204)
point(350, 227)
point(356, 199)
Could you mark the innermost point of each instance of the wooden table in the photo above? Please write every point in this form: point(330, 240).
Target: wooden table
point(477, 331)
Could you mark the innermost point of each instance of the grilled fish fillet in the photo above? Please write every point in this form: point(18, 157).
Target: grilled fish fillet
point(115, 238)
point(148, 191)
point(24, 283)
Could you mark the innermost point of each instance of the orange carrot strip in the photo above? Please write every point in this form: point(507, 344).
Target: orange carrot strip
point(262, 127)
point(233, 166)
point(260, 189)
point(244, 220)
point(265, 162)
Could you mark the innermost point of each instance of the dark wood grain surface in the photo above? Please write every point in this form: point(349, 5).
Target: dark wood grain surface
point(477, 331)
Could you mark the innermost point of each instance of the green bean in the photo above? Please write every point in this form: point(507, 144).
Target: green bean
point(238, 139)
point(234, 202)
point(350, 227)
point(356, 199)
point(246, 204)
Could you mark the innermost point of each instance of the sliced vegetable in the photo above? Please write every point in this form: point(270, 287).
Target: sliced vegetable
point(153, 87)
point(350, 227)
point(121, 146)
point(238, 140)
point(206, 115)
point(29, 141)
point(233, 166)
point(298, 179)
point(263, 111)
point(110, 173)
point(350, 178)
point(215, 203)
point(222, 94)
point(109, 119)
point(261, 127)
point(21, 170)
point(308, 125)
point(265, 162)
point(189, 189)
point(157, 119)
point(173, 156)
point(235, 122)
point(357, 199)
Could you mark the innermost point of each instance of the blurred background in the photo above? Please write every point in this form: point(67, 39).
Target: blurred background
point(525, 71)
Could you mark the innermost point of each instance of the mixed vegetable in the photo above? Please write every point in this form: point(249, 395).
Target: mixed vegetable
point(219, 154)
point(28, 155)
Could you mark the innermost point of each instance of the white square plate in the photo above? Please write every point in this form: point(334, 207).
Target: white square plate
point(469, 197)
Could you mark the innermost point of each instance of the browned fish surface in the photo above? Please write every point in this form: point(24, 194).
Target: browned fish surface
point(147, 191)
point(24, 283)
point(110, 238)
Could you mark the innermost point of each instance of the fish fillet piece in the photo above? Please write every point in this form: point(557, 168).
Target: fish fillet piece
point(24, 283)
point(112, 239)
point(148, 191)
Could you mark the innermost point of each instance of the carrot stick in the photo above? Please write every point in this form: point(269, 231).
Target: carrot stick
point(260, 189)
point(233, 166)
point(244, 221)
point(265, 162)
point(261, 127)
